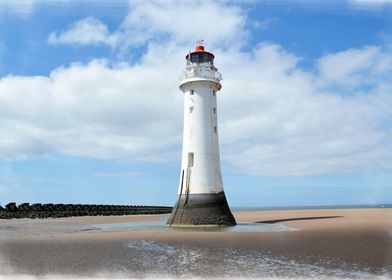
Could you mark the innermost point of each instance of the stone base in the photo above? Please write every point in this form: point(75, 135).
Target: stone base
point(202, 209)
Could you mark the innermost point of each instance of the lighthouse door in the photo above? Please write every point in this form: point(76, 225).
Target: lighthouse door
point(190, 159)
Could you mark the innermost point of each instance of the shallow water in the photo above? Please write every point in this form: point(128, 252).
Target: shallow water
point(160, 259)
point(160, 225)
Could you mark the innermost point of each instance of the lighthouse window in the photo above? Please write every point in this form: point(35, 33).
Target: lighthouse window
point(192, 92)
point(201, 57)
point(214, 110)
point(190, 159)
point(213, 92)
point(215, 129)
point(191, 109)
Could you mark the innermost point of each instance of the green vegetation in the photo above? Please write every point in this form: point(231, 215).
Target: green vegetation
point(38, 210)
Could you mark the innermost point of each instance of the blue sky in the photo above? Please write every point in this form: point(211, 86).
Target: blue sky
point(91, 111)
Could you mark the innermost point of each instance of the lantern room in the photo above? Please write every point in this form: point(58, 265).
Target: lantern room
point(200, 56)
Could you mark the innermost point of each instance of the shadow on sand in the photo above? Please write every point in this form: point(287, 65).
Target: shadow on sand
point(297, 219)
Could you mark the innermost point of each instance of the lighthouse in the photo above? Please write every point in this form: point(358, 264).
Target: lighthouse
point(201, 199)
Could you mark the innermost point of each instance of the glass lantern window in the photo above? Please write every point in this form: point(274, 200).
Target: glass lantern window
point(201, 57)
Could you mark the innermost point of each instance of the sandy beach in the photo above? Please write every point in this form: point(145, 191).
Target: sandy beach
point(347, 243)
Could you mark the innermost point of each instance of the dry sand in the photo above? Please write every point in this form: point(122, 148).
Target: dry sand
point(358, 238)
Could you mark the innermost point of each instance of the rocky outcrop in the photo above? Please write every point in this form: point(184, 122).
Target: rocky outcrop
point(49, 210)
point(11, 206)
point(24, 206)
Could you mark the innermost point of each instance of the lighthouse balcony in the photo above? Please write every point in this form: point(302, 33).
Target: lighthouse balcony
point(201, 72)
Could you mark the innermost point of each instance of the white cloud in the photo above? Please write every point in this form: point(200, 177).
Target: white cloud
point(185, 22)
point(277, 119)
point(88, 31)
point(92, 110)
point(355, 67)
point(175, 21)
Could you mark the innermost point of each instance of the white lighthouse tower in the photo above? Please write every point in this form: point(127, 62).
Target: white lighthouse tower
point(201, 199)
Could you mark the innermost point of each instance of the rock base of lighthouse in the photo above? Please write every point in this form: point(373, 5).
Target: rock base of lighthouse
point(201, 209)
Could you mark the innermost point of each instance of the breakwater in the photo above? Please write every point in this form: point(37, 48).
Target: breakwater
point(49, 210)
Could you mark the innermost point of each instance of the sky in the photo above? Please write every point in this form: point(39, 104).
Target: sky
point(90, 110)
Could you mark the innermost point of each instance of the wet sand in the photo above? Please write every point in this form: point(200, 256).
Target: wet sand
point(342, 239)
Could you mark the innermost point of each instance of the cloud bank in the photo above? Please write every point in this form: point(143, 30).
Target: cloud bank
point(275, 118)
point(175, 21)
point(87, 31)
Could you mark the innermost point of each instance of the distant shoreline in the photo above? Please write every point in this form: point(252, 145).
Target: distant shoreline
point(310, 207)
